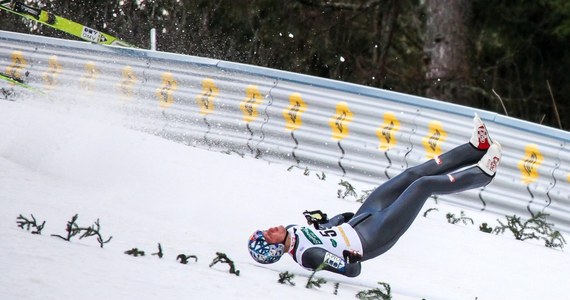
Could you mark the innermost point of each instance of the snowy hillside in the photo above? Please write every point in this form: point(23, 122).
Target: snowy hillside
point(57, 161)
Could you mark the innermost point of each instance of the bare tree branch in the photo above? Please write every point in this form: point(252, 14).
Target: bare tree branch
point(554, 104)
point(340, 5)
point(503, 104)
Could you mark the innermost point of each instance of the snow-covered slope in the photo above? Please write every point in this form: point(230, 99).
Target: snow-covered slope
point(58, 161)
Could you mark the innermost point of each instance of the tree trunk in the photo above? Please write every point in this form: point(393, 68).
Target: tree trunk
point(446, 50)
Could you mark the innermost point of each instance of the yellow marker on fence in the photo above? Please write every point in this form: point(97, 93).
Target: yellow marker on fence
point(530, 163)
point(206, 99)
point(292, 114)
point(434, 139)
point(91, 74)
point(165, 92)
point(16, 68)
point(249, 105)
point(50, 75)
point(339, 122)
point(387, 131)
point(128, 81)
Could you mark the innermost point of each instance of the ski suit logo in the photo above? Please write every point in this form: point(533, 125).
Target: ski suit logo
point(311, 236)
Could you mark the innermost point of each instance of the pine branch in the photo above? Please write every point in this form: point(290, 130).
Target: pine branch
point(135, 252)
point(71, 229)
point(336, 285)
point(364, 195)
point(315, 282)
point(485, 228)
point(23, 221)
point(159, 253)
point(286, 277)
point(94, 230)
point(184, 258)
point(534, 228)
point(222, 257)
point(318, 282)
point(430, 210)
point(377, 293)
point(554, 240)
point(463, 218)
point(349, 190)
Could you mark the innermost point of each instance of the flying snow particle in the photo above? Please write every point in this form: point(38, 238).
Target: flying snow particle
point(291, 35)
point(342, 59)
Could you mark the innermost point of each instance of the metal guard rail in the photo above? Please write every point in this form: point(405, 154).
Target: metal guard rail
point(362, 133)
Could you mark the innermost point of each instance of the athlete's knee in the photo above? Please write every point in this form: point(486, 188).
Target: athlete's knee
point(414, 172)
point(424, 185)
point(424, 181)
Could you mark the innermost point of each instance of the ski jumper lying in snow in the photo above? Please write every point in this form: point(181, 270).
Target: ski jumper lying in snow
point(340, 244)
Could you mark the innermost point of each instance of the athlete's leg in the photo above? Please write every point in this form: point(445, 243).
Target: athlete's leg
point(383, 228)
point(459, 157)
point(388, 192)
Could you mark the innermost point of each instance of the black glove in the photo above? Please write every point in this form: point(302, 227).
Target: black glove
point(315, 217)
point(351, 256)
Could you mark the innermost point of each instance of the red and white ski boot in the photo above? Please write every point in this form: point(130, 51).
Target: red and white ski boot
point(491, 159)
point(480, 138)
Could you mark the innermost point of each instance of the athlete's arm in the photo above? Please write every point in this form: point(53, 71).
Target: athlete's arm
point(336, 220)
point(318, 257)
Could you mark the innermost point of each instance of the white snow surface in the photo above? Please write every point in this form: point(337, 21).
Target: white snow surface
point(57, 161)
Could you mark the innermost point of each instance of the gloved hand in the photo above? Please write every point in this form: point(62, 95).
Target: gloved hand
point(351, 256)
point(315, 217)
